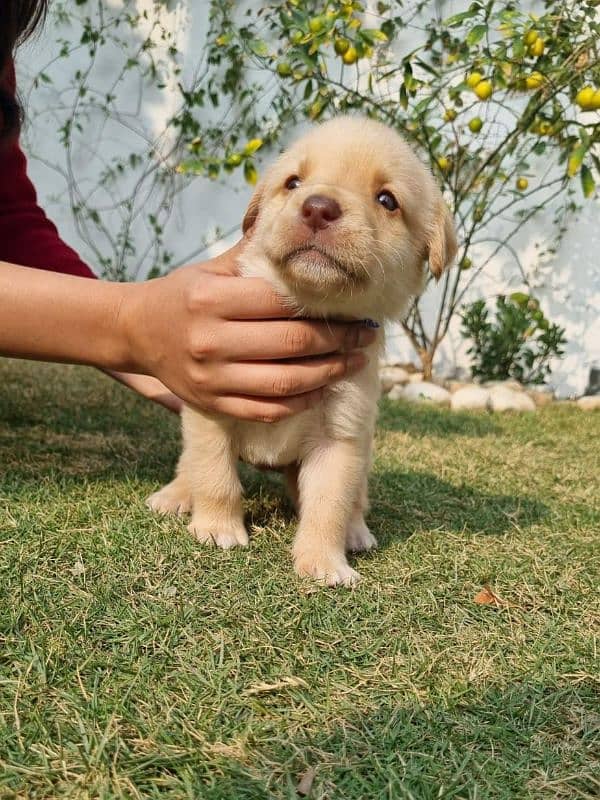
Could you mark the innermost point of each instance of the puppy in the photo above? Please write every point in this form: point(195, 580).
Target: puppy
point(342, 225)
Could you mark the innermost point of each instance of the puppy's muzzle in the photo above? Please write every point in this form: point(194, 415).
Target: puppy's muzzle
point(319, 211)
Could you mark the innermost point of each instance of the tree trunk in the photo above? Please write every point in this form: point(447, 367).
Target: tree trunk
point(426, 363)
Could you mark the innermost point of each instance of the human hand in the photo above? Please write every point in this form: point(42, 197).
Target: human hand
point(148, 387)
point(226, 344)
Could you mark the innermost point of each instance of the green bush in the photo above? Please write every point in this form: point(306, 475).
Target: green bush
point(518, 344)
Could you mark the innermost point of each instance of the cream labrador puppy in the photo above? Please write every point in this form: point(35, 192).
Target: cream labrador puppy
point(343, 223)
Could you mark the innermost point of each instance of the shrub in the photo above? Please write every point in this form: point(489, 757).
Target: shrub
point(518, 344)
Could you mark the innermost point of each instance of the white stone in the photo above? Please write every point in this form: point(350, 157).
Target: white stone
point(416, 377)
point(454, 385)
point(589, 402)
point(505, 399)
point(541, 397)
point(510, 383)
point(470, 397)
point(392, 376)
point(396, 392)
point(427, 392)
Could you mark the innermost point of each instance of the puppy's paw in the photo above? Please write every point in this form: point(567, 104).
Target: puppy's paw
point(333, 571)
point(224, 536)
point(173, 498)
point(359, 538)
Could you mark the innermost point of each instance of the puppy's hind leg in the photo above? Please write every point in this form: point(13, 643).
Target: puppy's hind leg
point(211, 463)
point(358, 536)
point(176, 496)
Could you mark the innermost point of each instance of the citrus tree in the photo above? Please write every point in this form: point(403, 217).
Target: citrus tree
point(502, 103)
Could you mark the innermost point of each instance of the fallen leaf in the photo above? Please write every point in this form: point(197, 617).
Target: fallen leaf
point(486, 597)
point(284, 683)
point(306, 781)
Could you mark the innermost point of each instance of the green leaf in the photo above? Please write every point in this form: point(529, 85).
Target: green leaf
point(575, 160)
point(455, 20)
point(373, 35)
point(259, 48)
point(476, 34)
point(587, 181)
point(403, 97)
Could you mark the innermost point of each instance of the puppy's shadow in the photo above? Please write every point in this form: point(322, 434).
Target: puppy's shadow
point(405, 502)
point(402, 503)
point(266, 500)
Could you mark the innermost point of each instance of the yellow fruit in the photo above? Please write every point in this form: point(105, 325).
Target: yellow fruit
point(537, 48)
point(595, 103)
point(296, 37)
point(534, 81)
point(451, 58)
point(450, 115)
point(234, 160)
point(315, 25)
point(443, 163)
point(252, 146)
point(522, 184)
point(585, 98)
point(531, 37)
point(475, 125)
point(284, 69)
point(545, 128)
point(484, 90)
point(350, 56)
point(341, 46)
point(473, 79)
point(466, 263)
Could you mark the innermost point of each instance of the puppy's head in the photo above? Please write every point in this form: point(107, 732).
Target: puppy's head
point(345, 219)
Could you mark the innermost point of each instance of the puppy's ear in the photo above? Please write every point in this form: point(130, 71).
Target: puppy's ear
point(441, 239)
point(253, 209)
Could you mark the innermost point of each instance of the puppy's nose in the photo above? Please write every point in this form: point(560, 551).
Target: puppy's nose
point(318, 211)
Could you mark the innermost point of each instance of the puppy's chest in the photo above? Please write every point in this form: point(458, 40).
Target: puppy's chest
point(347, 411)
point(275, 445)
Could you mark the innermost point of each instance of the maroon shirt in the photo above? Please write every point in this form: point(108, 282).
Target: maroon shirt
point(27, 236)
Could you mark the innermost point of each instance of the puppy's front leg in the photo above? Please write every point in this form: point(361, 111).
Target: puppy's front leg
point(211, 464)
point(330, 481)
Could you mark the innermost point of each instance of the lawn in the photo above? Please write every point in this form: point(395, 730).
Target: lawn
point(135, 663)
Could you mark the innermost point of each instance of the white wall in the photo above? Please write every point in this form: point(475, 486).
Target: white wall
point(569, 288)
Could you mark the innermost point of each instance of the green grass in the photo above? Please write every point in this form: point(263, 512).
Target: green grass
point(136, 664)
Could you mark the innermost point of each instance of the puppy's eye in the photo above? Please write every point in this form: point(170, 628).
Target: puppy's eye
point(293, 182)
point(387, 200)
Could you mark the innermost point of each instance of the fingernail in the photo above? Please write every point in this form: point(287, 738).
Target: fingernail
point(370, 323)
point(366, 336)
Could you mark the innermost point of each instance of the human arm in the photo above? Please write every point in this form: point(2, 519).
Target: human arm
point(218, 341)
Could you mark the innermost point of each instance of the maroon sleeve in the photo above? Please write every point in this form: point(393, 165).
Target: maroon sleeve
point(27, 236)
